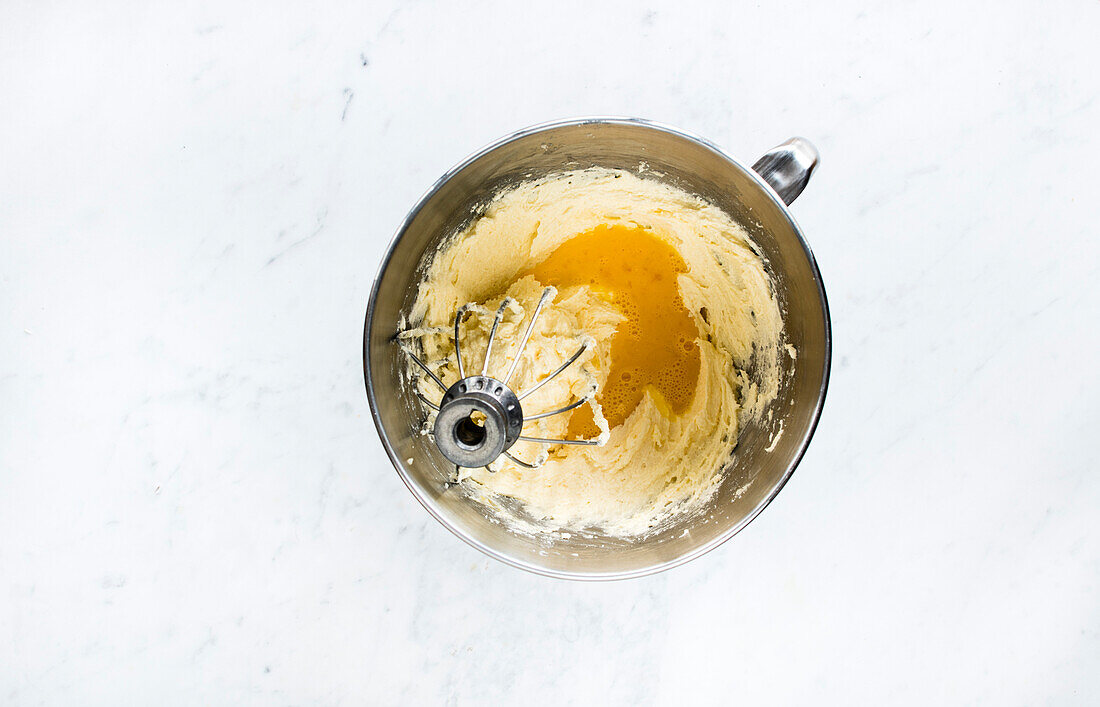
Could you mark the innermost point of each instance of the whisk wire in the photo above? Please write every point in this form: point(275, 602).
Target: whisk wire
point(547, 295)
point(550, 377)
point(424, 367)
point(543, 440)
point(522, 463)
point(493, 333)
point(458, 323)
point(427, 402)
point(567, 408)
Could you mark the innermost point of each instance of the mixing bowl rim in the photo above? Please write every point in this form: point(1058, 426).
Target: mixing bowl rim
point(427, 502)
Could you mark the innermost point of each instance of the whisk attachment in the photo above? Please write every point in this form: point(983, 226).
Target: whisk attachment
point(479, 417)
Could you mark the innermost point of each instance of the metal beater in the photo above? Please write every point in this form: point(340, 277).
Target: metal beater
point(479, 417)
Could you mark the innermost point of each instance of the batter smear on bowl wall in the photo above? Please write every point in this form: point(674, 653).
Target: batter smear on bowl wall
point(682, 335)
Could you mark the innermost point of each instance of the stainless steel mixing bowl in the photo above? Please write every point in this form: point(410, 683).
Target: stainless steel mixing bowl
point(757, 198)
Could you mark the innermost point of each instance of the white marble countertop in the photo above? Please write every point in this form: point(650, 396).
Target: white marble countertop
point(195, 507)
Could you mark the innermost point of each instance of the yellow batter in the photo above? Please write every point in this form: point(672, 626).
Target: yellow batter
point(673, 302)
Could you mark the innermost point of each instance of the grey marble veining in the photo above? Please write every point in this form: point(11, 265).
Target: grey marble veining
point(194, 505)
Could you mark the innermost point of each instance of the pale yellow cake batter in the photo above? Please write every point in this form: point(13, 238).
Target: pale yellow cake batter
point(674, 436)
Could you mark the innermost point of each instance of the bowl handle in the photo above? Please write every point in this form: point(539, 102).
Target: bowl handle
point(787, 167)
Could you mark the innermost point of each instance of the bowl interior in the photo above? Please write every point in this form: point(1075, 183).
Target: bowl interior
point(754, 474)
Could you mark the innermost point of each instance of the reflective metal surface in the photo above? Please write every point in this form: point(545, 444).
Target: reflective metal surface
point(787, 167)
point(755, 474)
point(466, 442)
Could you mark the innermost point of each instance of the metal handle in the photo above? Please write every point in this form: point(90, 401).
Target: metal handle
point(787, 167)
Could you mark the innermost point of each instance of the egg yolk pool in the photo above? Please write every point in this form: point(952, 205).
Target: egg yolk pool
point(654, 347)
